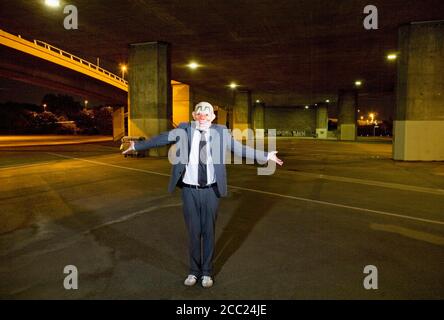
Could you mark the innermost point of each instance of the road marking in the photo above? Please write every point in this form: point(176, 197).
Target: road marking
point(25, 165)
point(409, 233)
point(382, 184)
point(390, 214)
point(373, 183)
point(339, 205)
point(109, 165)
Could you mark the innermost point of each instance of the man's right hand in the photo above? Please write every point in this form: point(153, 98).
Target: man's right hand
point(130, 148)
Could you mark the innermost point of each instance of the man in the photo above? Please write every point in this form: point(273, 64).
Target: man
point(202, 177)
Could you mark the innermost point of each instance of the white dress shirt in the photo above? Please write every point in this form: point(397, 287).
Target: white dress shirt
point(192, 168)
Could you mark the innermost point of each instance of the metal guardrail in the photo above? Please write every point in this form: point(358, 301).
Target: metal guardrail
point(84, 62)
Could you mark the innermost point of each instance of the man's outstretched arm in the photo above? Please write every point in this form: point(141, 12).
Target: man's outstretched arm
point(160, 140)
point(245, 151)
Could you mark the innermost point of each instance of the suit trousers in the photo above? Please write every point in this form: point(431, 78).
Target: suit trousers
point(200, 213)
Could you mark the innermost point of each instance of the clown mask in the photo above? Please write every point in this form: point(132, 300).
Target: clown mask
point(203, 115)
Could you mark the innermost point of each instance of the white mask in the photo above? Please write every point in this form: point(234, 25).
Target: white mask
point(203, 115)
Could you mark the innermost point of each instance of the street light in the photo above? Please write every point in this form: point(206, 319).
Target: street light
point(193, 65)
point(233, 85)
point(86, 104)
point(392, 56)
point(52, 3)
point(44, 107)
point(123, 67)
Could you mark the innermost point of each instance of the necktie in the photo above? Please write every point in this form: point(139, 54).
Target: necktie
point(202, 172)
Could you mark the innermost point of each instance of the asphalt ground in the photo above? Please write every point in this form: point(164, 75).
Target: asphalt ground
point(305, 232)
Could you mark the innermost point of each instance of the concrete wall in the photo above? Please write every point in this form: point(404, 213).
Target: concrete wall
point(289, 98)
point(290, 119)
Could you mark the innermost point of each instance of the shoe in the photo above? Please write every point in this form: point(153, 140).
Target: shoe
point(190, 280)
point(207, 282)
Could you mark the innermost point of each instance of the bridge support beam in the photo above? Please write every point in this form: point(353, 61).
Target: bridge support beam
point(118, 123)
point(258, 116)
point(419, 123)
point(241, 112)
point(182, 105)
point(322, 121)
point(150, 97)
point(347, 102)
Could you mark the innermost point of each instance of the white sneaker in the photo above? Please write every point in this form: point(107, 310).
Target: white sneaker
point(207, 282)
point(190, 280)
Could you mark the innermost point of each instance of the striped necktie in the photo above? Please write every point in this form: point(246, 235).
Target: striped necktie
point(202, 172)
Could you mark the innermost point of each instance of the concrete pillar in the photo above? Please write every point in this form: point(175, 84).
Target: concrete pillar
point(347, 102)
point(150, 108)
point(118, 123)
point(258, 116)
point(419, 120)
point(322, 121)
point(182, 107)
point(242, 110)
point(221, 117)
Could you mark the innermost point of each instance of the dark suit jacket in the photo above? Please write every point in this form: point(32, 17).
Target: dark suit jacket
point(182, 135)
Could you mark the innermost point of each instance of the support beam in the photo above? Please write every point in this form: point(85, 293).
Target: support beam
point(118, 123)
point(150, 97)
point(419, 119)
point(221, 117)
point(242, 110)
point(322, 121)
point(182, 105)
point(258, 116)
point(347, 103)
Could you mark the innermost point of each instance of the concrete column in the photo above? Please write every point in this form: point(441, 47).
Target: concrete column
point(118, 123)
point(258, 116)
point(150, 108)
point(221, 116)
point(322, 121)
point(182, 107)
point(347, 102)
point(419, 118)
point(241, 110)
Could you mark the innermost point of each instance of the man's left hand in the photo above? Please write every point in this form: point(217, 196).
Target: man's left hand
point(272, 156)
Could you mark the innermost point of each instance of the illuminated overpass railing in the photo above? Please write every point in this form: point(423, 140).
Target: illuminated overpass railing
point(48, 52)
point(79, 60)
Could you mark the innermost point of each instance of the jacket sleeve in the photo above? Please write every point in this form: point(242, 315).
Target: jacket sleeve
point(244, 151)
point(160, 140)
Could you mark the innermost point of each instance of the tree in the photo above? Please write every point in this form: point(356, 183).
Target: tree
point(62, 105)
